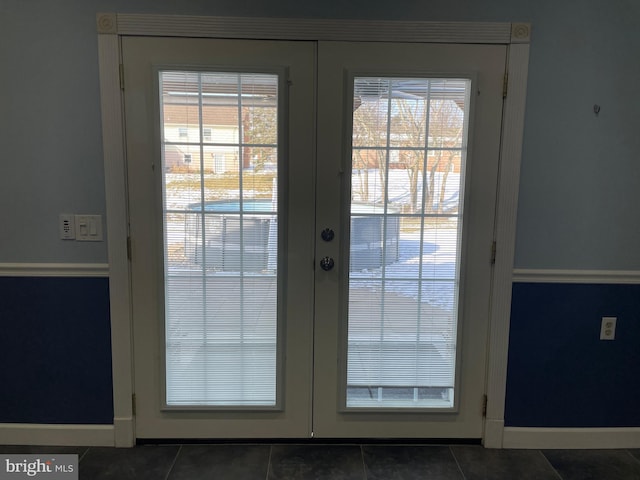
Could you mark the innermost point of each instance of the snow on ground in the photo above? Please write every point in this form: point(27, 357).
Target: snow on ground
point(440, 243)
point(438, 268)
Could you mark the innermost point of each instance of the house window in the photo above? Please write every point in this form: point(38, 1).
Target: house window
point(187, 158)
point(206, 134)
point(183, 132)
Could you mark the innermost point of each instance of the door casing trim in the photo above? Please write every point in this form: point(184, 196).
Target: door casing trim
point(111, 27)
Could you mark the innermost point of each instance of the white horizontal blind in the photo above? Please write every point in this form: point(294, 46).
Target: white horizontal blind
point(408, 160)
point(219, 169)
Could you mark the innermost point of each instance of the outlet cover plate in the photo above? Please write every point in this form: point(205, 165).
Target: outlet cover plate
point(608, 328)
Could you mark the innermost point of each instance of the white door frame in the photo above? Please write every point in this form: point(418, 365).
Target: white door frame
point(111, 27)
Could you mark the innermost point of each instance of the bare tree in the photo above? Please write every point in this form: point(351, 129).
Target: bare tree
point(409, 129)
point(259, 126)
point(369, 132)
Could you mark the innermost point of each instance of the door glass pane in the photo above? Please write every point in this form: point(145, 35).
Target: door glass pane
point(409, 146)
point(220, 203)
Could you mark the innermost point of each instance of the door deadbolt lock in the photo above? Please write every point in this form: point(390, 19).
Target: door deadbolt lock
point(327, 234)
point(327, 263)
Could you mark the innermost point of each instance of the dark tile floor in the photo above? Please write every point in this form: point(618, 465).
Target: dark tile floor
point(338, 462)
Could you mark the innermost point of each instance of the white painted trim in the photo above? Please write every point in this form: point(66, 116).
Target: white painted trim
point(123, 434)
point(54, 270)
point(520, 32)
point(311, 29)
point(508, 184)
point(113, 27)
point(117, 232)
point(493, 431)
point(107, 23)
point(540, 438)
point(45, 434)
point(527, 275)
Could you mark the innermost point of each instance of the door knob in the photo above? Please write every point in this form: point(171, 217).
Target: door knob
point(327, 234)
point(327, 263)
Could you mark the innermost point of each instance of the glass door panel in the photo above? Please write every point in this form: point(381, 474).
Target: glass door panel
point(407, 182)
point(220, 204)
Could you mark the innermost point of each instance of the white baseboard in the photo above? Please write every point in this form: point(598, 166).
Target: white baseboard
point(571, 438)
point(493, 431)
point(44, 434)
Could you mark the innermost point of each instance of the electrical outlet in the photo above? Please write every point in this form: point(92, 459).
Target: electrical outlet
point(608, 328)
point(67, 226)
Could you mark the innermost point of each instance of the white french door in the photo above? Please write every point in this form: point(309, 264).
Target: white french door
point(410, 193)
point(220, 149)
point(311, 227)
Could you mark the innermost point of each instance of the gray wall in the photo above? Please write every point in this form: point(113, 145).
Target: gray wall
point(579, 171)
point(577, 206)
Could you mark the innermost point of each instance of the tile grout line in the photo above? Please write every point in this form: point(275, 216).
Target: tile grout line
point(364, 466)
point(269, 462)
point(632, 455)
point(80, 457)
point(464, 477)
point(175, 459)
point(550, 464)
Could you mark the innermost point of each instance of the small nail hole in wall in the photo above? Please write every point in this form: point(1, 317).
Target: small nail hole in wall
point(596, 109)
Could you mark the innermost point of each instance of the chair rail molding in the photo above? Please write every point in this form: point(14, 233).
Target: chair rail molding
point(54, 270)
point(530, 275)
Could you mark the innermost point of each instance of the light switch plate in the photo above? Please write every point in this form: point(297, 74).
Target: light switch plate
point(89, 228)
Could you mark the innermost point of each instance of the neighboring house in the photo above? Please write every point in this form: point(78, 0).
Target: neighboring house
point(181, 128)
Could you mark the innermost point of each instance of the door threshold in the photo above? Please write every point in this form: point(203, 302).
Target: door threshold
point(308, 441)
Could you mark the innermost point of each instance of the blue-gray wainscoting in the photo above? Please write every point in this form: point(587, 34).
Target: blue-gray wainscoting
point(55, 350)
point(560, 374)
point(55, 354)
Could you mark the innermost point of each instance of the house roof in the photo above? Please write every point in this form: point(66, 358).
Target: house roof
point(190, 115)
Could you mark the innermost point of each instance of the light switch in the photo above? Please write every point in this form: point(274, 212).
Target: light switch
point(89, 228)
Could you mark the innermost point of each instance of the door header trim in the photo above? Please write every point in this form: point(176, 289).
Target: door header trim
point(126, 24)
